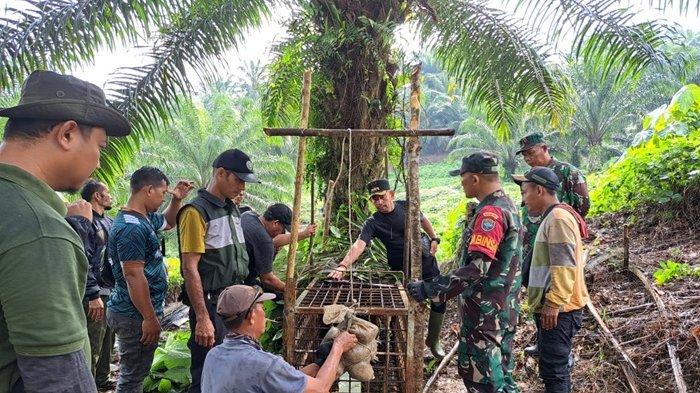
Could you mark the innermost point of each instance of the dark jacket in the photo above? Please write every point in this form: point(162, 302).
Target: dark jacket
point(94, 237)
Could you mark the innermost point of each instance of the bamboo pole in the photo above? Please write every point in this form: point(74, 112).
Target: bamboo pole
point(340, 133)
point(290, 284)
point(310, 260)
point(414, 380)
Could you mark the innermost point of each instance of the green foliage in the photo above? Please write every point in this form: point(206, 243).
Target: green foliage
point(271, 339)
point(454, 224)
point(660, 169)
point(672, 270)
point(170, 371)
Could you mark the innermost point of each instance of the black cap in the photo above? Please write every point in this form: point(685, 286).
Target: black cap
point(237, 162)
point(378, 187)
point(281, 213)
point(530, 141)
point(47, 95)
point(480, 162)
point(540, 175)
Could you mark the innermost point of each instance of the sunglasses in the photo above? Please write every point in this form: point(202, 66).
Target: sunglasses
point(258, 295)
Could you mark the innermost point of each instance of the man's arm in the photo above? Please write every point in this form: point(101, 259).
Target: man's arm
point(141, 297)
point(582, 190)
point(178, 194)
point(353, 253)
point(31, 303)
point(283, 239)
point(270, 280)
point(428, 228)
point(192, 246)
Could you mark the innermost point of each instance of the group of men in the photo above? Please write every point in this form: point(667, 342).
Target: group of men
point(72, 279)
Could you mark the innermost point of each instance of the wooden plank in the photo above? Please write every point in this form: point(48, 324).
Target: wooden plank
point(340, 133)
point(290, 284)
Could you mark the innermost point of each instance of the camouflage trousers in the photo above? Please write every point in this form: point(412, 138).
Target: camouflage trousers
point(485, 360)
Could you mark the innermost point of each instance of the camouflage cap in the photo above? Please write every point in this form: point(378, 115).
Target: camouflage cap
point(482, 162)
point(530, 141)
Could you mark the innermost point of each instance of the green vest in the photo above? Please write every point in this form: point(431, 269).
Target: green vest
point(225, 259)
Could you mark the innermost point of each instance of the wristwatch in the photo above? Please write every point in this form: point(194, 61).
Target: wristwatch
point(435, 239)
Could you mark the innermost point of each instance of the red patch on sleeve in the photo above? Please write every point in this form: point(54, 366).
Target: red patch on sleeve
point(487, 232)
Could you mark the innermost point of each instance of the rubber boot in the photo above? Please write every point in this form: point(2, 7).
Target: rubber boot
point(432, 340)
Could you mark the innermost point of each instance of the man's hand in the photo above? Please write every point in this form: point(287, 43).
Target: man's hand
point(150, 331)
point(81, 208)
point(310, 229)
point(182, 189)
point(204, 333)
point(96, 309)
point(417, 290)
point(346, 341)
point(338, 272)
point(433, 247)
point(548, 318)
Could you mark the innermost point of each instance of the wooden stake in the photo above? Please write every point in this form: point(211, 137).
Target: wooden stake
point(670, 343)
point(310, 260)
point(290, 284)
point(627, 365)
point(439, 368)
point(416, 320)
point(626, 246)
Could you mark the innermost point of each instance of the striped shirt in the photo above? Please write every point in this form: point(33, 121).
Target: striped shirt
point(556, 274)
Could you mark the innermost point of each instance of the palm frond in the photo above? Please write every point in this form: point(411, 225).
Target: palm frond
point(604, 33)
point(57, 34)
point(148, 95)
point(498, 63)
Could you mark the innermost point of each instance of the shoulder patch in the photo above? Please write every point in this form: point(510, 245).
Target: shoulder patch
point(129, 219)
point(487, 224)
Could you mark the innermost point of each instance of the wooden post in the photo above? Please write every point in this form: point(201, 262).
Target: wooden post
point(626, 246)
point(310, 261)
point(290, 284)
point(416, 318)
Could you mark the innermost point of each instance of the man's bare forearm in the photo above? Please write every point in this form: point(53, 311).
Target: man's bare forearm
point(193, 285)
point(138, 292)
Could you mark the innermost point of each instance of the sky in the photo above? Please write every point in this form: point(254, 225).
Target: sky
point(257, 46)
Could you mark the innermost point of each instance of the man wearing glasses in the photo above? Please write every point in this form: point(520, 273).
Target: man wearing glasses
point(240, 365)
point(387, 224)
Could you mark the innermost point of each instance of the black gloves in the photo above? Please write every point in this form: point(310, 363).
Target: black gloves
point(322, 352)
point(417, 290)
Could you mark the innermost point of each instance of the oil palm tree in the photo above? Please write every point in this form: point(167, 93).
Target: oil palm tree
point(498, 60)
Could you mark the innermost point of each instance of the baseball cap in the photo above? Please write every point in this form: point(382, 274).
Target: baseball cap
point(378, 187)
point(540, 175)
point(281, 213)
point(530, 141)
point(238, 299)
point(482, 162)
point(237, 162)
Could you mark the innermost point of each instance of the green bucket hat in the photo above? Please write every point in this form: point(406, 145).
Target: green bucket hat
point(530, 141)
point(47, 95)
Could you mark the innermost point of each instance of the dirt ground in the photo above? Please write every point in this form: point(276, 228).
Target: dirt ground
point(642, 332)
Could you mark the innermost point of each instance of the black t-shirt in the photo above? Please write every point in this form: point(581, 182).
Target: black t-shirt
point(258, 243)
point(389, 229)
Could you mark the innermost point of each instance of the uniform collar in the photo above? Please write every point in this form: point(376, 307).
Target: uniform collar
point(213, 199)
point(31, 183)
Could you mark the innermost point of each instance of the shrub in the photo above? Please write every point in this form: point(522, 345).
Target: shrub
point(672, 270)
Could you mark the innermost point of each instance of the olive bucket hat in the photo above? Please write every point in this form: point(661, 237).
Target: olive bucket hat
point(47, 95)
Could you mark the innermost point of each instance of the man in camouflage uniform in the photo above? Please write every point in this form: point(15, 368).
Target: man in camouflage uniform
point(488, 280)
point(572, 191)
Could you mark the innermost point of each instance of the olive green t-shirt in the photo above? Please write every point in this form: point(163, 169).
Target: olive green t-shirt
point(43, 269)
